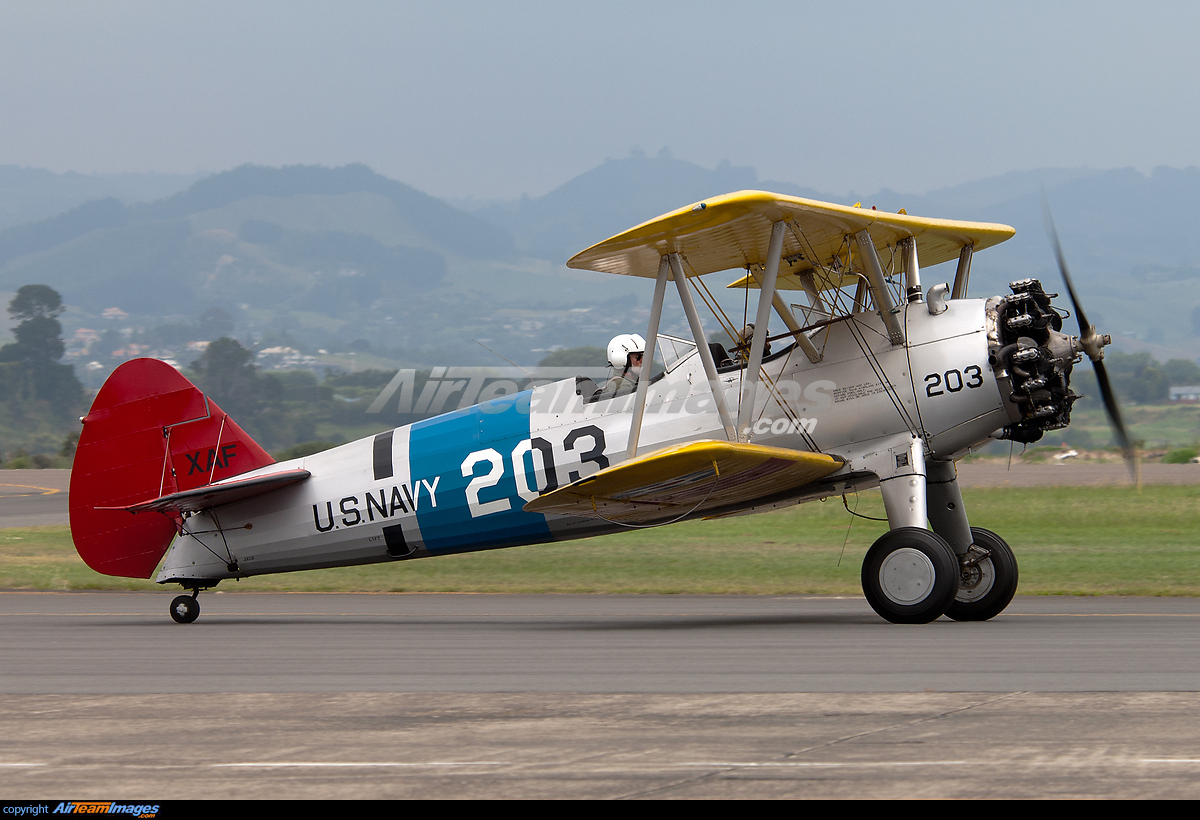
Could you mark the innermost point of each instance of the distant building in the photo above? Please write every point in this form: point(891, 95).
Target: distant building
point(1185, 394)
point(285, 358)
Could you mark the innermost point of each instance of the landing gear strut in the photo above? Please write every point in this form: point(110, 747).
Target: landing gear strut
point(186, 608)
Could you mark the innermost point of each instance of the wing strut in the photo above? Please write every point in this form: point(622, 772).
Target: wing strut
point(789, 319)
point(643, 385)
point(912, 270)
point(963, 274)
point(879, 290)
point(758, 343)
point(710, 367)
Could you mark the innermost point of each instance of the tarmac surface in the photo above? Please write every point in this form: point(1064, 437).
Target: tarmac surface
point(436, 696)
point(33, 498)
point(500, 696)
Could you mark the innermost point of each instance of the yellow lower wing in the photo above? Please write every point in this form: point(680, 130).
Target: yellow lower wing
point(686, 479)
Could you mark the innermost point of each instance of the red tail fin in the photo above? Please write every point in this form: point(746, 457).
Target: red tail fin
point(150, 432)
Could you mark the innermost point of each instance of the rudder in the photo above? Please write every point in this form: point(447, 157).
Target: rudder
point(150, 432)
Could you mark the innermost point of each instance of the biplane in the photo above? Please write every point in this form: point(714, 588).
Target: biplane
point(875, 381)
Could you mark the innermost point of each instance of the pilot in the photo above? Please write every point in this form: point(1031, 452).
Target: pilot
point(742, 353)
point(624, 353)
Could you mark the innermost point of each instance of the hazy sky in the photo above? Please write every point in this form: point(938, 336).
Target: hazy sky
point(497, 99)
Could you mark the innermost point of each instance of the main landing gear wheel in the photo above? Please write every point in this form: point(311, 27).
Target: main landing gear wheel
point(185, 609)
point(986, 586)
point(910, 576)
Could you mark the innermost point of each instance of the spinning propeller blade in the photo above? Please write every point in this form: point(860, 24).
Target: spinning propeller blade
point(1093, 345)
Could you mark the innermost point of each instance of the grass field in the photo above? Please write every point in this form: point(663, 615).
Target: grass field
point(1068, 541)
point(1157, 426)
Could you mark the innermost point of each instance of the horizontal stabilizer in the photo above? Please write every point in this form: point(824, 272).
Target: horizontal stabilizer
point(216, 495)
point(690, 478)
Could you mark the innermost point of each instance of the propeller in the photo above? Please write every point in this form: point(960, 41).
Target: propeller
point(1092, 343)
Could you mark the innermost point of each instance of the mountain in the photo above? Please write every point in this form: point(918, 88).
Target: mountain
point(32, 194)
point(345, 259)
point(604, 201)
point(1135, 258)
point(439, 223)
point(313, 238)
point(1133, 255)
point(324, 256)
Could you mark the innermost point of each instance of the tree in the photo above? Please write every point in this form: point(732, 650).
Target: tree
point(35, 302)
point(1137, 376)
point(259, 402)
point(38, 348)
point(226, 372)
point(1181, 372)
point(39, 335)
point(39, 340)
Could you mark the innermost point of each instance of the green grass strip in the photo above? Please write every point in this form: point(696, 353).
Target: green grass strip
point(1068, 541)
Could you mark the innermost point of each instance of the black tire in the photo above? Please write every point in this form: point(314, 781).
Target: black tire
point(910, 576)
point(185, 609)
point(985, 589)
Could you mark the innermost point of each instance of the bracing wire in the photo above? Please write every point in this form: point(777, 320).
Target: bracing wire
point(856, 328)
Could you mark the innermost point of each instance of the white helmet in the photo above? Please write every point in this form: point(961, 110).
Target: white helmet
point(621, 346)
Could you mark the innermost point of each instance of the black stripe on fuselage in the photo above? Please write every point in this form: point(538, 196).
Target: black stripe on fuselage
point(382, 456)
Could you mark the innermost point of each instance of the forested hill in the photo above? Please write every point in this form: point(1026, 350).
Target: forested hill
point(329, 257)
point(441, 224)
point(33, 194)
point(263, 245)
point(319, 268)
point(1127, 235)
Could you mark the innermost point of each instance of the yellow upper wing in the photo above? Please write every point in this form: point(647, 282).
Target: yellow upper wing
point(733, 231)
point(686, 479)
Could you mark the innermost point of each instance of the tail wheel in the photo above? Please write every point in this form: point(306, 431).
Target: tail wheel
point(910, 576)
point(985, 586)
point(185, 609)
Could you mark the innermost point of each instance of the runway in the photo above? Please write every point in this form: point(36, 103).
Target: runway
point(33, 498)
point(587, 746)
point(605, 697)
point(594, 697)
point(125, 643)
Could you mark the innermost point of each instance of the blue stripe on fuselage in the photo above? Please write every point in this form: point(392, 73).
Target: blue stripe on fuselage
point(486, 434)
